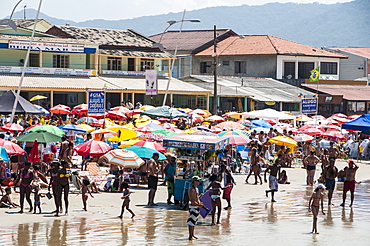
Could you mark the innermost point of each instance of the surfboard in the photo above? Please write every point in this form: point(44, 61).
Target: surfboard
point(207, 201)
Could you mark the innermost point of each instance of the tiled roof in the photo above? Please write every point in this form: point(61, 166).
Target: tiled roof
point(352, 93)
point(128, 38)
point(45, 39)
point(189, 39)
point(26, 22)
point(139, 84)
point(135, 53)
point(266, 45)
point(55, 82)
point(260, 89)
point(360, 51)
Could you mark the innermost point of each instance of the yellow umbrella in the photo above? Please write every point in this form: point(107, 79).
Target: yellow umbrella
point(235, 115)
point(146, 107)
point(37, 97)
point(123, 133)
point(304, 118)
point(189, 131)
point(283, 141)
point(86, 127)
point(125, 144)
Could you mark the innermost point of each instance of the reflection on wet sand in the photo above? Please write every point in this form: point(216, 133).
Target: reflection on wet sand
point(288, 219)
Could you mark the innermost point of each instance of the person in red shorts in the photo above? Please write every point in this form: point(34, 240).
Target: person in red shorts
point(350, 183)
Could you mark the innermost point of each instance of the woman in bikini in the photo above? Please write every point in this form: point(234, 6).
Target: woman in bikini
point(63, 186)
point(215, 186)
point(25, 177)
point(311, 161)
point(53, 172)
point(316, 199)
point(255, 159)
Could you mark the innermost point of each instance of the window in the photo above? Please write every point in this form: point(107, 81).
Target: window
point(289, 70)
point(61, 61)
point(88, 61)
point(204, 67)
point(240, 67)
point(114, 63)
point(34, 60)
point(328, 67)
point(304, 69)
point(328, 99)
point(131, 64)
point(146, 64)
point(225, 63)
point(356, 106)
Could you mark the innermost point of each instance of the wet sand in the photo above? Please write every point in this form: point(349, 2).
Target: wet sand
point(253, 219)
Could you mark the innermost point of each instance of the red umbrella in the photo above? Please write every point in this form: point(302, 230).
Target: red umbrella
point(334, 134)
point(116, 115)
point(30, 127)
point(320, 117)
point(272, 122)
point(312, 131)
point(60, 109)
point(82, 108)
point(170, 126)
point(121, 109)
point(11, 127)
point(96, 116)
point(164, 120)
point(101, 122)
point(238, 140)
point(145, 129)
point(151, 145)
point(133, 112)
point(92, 148)
point(302, 138)
point(11, 148)
point(34, 155)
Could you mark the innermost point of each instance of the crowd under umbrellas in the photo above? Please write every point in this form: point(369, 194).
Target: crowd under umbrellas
point(130, 144)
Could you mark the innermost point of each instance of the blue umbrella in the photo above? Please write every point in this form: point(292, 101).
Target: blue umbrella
point(71, 127)
point(3, 154)
point(155, 126)
point(261, 123)
point(87, 120)
point(145, 153)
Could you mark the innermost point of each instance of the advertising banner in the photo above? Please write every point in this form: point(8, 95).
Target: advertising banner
point(309, 106)
point(96, 102)
point(151, 82)
point(53, 47)
point(49, 70)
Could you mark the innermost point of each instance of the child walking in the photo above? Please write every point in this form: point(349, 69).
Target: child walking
point(85, 191)
point(126, 200)
point(317, 198)
point(37, 197)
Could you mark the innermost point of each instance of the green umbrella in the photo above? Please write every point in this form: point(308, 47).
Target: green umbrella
point(41, 136)
point(145, 153)
point(167, 133)
point(48, 128)
point(165, 112)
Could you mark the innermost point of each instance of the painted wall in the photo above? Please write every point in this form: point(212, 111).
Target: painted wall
point(12, 57)
point(77, 61)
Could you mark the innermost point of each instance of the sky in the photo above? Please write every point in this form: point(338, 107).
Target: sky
point(81, 10)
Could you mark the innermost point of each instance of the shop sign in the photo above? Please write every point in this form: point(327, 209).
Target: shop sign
point(49, 71)
point(309, 106)
point(128, 73)
point(51, 47)
point(96, 102)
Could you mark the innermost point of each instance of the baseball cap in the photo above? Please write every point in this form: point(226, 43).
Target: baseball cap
point(320, 186)
point(195, 178)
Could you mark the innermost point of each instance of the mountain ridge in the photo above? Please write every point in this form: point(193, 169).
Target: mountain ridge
point(315, 24)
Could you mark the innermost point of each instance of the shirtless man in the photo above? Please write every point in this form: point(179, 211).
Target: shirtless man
point(350, 183)
point(310, 162)
point(329, 174)
point(274, 171)
point(153, 178)
point(256, 169)
point(63, 147)
point(194, 206)
point(333, 153)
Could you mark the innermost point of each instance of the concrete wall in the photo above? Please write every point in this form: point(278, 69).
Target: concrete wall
point(349, 68)
point(257, 65)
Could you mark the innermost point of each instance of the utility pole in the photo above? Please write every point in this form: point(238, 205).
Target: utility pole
point(214, 71)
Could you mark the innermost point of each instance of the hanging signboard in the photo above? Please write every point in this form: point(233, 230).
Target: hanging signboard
point(309, 106)
point(96, 102)
point(151, 82)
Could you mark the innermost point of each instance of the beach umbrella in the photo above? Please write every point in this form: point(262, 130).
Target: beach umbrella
point(320, 117)
point(101, 122)
point(230, 125)
point(38, 97)
point(227, 133)
point(3, 155)
point(153, 136)
point(87, 128)
point(96, 115)
point(34, 155)
point(82, 108)
point(146, 153)
point(11, 148)
point(262, 129)
point(238, 140)
point(312, 131)
point(303, 118)
point(151, 145)
point(128, 143)
point(302, 138)
point(331, 127)
point(261, 123)
point(167, 133)
point(335, 135)
point(353, 117)
point(28, 128)
point(245, 122)
point(169, 126)
point(283, 141)
point(71, 127)
point(120, 109)
point(123, 158)
point(201, 112)
point(145, 129)
point(146, 107)
point(107, 134)
point(48, 128)
point(216, 129)
point(214, 118)
point(123, 133)
point(116, 115)
point(131, 113)
point(42, 136)
point(60, 109)
point(270, 121)
point(11, 127)
point(92, 148)
point(46, 112)
point(87, 120)
point(234, 115)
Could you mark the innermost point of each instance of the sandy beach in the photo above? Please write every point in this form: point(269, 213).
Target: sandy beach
point(152, 225)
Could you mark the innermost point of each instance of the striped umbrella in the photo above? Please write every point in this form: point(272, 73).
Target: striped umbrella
point(123, 158)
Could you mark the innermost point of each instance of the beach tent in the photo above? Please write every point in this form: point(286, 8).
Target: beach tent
point(362, 123)
point(23, 105)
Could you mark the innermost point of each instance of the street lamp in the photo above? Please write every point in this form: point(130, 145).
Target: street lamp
point(215, 65)
point(160, 46)
point(9, 21)
point(25, 61)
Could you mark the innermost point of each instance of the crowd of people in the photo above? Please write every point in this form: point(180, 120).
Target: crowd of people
point(57, 171)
